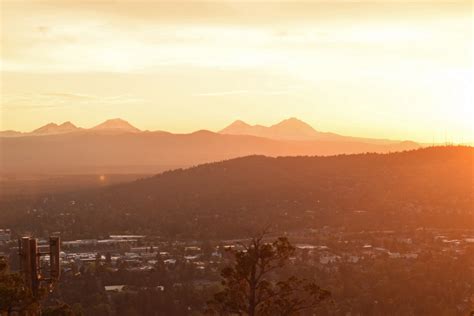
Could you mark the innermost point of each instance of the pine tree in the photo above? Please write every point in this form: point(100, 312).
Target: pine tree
point(251, 287)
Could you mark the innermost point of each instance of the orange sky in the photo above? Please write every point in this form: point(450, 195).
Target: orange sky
point(386, 69)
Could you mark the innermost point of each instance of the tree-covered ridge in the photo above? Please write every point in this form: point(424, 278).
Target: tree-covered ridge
point(430, 187)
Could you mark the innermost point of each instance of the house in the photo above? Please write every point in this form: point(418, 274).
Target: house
point(114, 288)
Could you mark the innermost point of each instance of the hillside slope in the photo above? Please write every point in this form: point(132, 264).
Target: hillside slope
point(152, 152)
point(430, 187)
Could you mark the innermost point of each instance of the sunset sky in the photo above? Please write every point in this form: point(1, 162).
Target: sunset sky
point(382, 69)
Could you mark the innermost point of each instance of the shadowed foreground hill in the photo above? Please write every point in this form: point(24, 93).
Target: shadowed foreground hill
point(430, 187)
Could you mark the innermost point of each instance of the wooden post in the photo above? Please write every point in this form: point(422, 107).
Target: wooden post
point(25, 260)
point(34, 266)
point(54, 250)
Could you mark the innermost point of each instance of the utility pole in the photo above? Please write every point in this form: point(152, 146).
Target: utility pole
point(34, 274)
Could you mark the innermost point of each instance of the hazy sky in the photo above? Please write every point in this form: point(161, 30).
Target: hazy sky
point(387, 69)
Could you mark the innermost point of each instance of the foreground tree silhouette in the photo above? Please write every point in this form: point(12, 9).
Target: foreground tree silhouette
point(252, 288)
point(14, 295)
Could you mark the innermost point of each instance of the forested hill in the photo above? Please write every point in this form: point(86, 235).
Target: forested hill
point(431, 187)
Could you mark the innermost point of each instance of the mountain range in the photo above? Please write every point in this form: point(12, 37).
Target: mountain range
point(291, 129)
point(116, 146)
point(111, 126)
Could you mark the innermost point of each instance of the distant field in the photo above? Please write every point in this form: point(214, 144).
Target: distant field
point(33, 185)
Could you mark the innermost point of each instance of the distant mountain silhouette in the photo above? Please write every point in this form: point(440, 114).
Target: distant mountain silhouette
point(289, 129)
point(293, 129)
point(118, 147)
point(53, 128)
point(241, 128)
point(10, 133)
point(116, 125)
point(110, 126)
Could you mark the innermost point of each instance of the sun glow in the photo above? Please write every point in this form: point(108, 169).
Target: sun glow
point(348, 68)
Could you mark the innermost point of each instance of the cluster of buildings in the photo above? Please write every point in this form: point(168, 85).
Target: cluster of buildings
point(326, 248)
